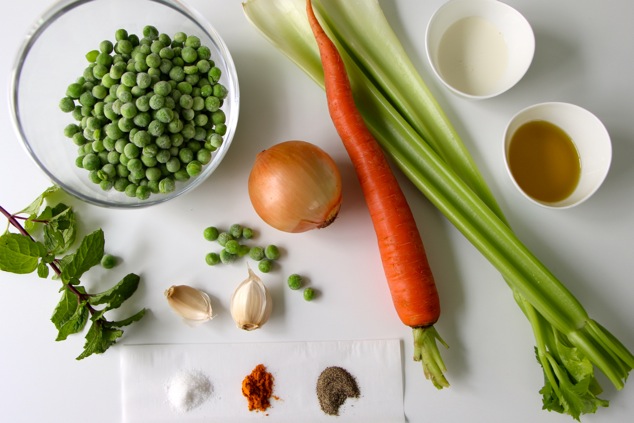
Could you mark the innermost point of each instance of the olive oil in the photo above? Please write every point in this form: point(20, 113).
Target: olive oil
point(544, 161)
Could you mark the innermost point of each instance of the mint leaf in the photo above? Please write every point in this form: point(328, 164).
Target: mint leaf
point(60, 232)
point(70, 314)
point(88, 254)
point(19, 253)
point(99, 338)
point(42, 270)
point(116, 295)
point(125, 322)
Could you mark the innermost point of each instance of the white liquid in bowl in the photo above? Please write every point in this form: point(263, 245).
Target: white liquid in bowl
point(473, 56)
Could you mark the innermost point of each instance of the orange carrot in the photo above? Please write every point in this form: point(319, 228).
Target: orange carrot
point(405, 263)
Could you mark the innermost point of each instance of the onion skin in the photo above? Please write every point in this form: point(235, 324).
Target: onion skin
point(295, 186)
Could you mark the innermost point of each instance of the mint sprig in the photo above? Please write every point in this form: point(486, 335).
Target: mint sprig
point(44, 237)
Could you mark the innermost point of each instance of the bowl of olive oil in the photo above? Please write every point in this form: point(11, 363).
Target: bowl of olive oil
point(557, 154)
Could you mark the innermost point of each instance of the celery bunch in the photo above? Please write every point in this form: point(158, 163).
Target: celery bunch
point(414, 131)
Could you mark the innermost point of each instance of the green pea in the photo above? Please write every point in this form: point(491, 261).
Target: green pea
point(212, 259)
point(157, 101)
point(220, 91)
point(236, 230)
point(211, 233)
point(232, 246)
point(173, 164)
point(203, 156)
point(166, 185)
point(164, 115)
point(106, 47)
point(129, 110)
point(186, 155)
point(131, 151)
point(309, 294)
point(294, 281)
point(272, 252)
point(143, 192)
point(189, 54)
point(226, 257)
point(247, 233)
point(214, 74)
point(153, 174)
point(67, 104)
point(194, 168)
point(256, 253)
point(91, 56)
point(223, 237)
point(265, 265)
point(91, 162)
point(150, 32)
point(212, 104)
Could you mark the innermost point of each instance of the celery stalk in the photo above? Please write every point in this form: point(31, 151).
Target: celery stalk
point(415, 133)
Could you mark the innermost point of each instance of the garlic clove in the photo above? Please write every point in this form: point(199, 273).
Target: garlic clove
point(251, 303)
point(190, 303)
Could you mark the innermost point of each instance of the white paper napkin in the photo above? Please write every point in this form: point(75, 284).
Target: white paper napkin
point(375, 364)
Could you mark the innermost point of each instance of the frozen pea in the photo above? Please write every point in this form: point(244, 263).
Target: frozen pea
point(232, 246)
point(203, 156)
point(130, 190)
point(223, 237)
point(243, 250)
point(91, 162)
point(227, 257)
point(256, 253)
point(194, 168)
point(166, 185)
point(272, 252)
point(309, 294)
point(181, 175)
point(173, 165)
point(212, 259)
point(247, 233)
point(211, 233)
point(143, 192)
point(294, 281)
point(265, 265)
point(236, 230)
point(108, 261)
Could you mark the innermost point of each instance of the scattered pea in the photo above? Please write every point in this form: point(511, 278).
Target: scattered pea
point(232, 246)
point(211, 233)
point(265, 265)
point(223, 237)
point(108, 261)
point(247, 233)
point(272, 252)
point(226, 257)
point(295, 281)
point(256, 253)
point(212, 259)
point(309, 294)
point(236, 230)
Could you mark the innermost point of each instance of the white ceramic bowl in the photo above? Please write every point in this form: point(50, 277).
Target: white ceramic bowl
point(479, 48)
point(589, 136)
point(53, 56)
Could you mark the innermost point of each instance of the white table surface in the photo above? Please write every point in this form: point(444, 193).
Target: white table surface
point(584, 55)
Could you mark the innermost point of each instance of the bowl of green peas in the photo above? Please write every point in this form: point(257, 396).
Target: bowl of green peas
point(125, 103)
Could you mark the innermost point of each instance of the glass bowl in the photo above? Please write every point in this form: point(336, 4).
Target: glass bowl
point(54, 55)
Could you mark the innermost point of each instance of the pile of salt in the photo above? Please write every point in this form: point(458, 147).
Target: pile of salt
point(187, 390)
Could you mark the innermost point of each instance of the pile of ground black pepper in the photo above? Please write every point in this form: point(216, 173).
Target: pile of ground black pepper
point(334, 386)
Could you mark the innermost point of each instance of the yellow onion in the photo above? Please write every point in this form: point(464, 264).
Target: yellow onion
point(295, 186)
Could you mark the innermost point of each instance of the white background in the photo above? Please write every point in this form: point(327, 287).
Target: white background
point(583, 56)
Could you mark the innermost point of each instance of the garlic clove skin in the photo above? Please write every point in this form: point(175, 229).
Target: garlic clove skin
point(251, 303)
point(190, 303)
